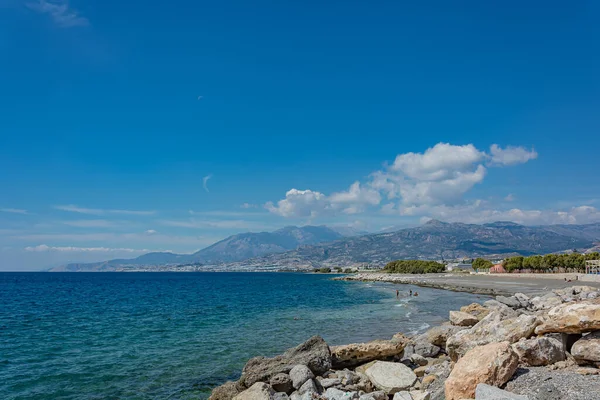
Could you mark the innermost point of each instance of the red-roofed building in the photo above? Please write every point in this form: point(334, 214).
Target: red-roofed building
point(497, 269)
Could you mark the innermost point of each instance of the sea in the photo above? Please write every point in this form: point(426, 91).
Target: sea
point(178, 335)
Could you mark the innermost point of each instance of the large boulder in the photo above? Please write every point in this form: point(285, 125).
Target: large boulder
point(572, 318)
point(258, 391)
point(226, 391)
point(476, 309)
point(439, 334)
point(487, 392)
point(314, 353)
point(494, 364)
point(459, 318)
point(492, 328)
point(539, 351)
point(390, 377)
point(351, 355)
point(587, 349)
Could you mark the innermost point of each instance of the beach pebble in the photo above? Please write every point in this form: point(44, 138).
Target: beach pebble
point(299, 375)
point(336, 394)
point(418, 359)
point(378, 395)
point(309, 387)
point(330, 382)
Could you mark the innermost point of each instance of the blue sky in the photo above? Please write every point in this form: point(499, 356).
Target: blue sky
point(114, 115)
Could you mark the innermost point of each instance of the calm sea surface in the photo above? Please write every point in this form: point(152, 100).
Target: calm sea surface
point(177, 335)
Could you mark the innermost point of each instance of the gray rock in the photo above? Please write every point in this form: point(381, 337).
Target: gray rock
point(587, 349)
point(330, 382)
point(336, 394)
point(280, 396)
point(493, 328)
point(487, 392)
point(511, 301)
point(418, 359)
point(422, 348)
point(439, 334)
point(459, 318)
point(314, 353)
point(227, 391)
point(309, 386)
point(378, 395)
point(300, 374)
point(403, 395)
point(391, 377)
point(258, 391)
point(281, 383)
point(539, 351)
point(504, 310)
point(523, 299)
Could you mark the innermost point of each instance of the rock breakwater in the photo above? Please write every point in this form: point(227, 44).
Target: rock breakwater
point(492, 351)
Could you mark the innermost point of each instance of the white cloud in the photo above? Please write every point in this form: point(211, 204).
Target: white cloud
point(248, 205)
point(511, 155)
point(97, 211)
point(438, 162)
point(150, 232)
point(14, 211)
point(44, 248)
point(60, 12)
point(299, 203)
point(441, 175)
point(205, 182)
point(509, 197)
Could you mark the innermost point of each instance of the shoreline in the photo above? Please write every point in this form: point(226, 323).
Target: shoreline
point(491, 285)
point(517, 347)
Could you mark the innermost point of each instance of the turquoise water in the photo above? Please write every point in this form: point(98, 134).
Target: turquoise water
point(177, 335)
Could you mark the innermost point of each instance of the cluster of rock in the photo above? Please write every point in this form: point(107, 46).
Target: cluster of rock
point(472, 356)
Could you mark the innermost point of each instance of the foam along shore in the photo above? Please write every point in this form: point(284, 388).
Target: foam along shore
point(488, 284)
point(514, 347)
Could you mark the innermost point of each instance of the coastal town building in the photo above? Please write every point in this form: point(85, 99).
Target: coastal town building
point(459, 266)
point(592, 267)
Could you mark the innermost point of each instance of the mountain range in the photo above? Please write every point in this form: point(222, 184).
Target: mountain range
point(308, 247)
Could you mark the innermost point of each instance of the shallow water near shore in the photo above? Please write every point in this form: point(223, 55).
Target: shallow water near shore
point(177, 335)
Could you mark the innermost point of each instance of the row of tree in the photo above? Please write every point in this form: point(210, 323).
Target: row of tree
point(414, 267)
point(547, 263)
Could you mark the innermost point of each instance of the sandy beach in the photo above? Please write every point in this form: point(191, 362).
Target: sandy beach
point(481, 284)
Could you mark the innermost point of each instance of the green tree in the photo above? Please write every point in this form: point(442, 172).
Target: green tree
point(482, 263)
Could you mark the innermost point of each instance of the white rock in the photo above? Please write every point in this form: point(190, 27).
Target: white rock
point(391, 377)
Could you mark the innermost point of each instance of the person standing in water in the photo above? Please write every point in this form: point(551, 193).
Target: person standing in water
point(411, 292)
point(397, 293)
